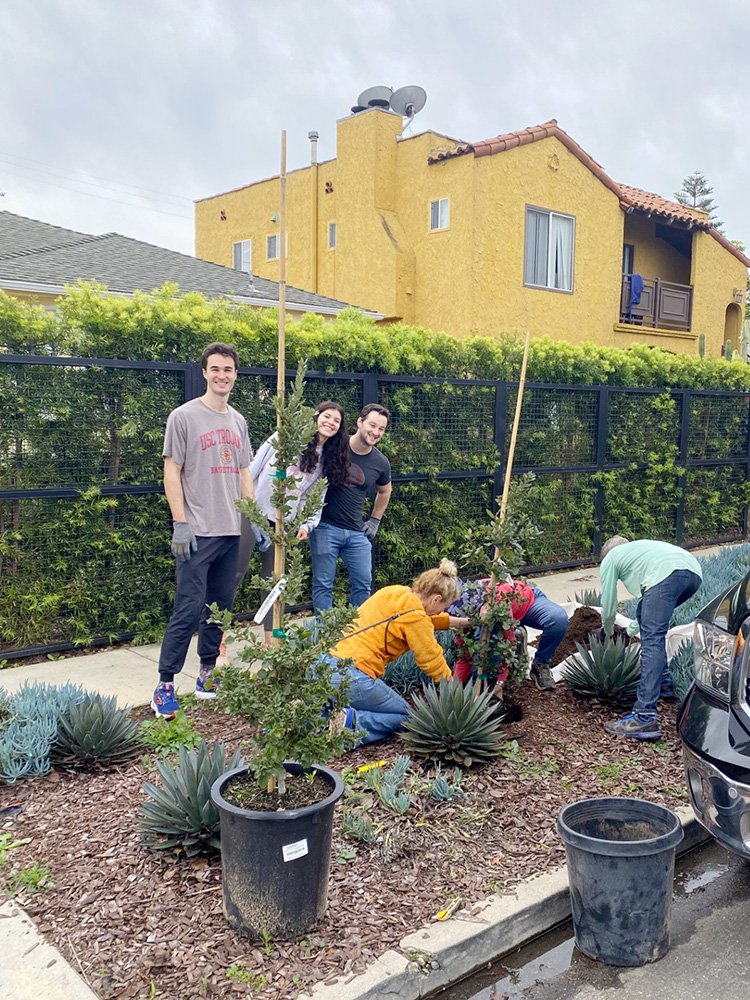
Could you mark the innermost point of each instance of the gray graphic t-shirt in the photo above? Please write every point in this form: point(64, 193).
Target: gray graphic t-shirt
point(211, 448)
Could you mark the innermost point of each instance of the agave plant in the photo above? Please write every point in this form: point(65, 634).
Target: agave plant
point(682, 669)
point(452, 722)
point(94, 733)
point(608, 671)
point(403, 674)
point(589, 598)
point(182, 815)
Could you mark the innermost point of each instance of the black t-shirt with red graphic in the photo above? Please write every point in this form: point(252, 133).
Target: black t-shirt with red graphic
point(344, 504)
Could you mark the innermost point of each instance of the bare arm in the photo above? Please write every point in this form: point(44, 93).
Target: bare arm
point(382, 497)
point(173, 489)
point(247, 487)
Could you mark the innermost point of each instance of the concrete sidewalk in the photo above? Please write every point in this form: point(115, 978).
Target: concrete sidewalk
point(32, 969)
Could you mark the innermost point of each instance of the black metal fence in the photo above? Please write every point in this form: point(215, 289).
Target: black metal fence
point(84, 526)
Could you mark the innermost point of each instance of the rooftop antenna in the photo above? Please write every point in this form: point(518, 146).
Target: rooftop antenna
point(408, 101)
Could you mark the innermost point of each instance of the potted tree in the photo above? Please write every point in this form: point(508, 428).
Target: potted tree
point(277, 813)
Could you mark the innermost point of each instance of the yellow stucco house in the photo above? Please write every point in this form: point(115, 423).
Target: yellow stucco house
point(522, 231)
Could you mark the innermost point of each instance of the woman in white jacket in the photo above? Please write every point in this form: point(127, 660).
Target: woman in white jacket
point(326, 455)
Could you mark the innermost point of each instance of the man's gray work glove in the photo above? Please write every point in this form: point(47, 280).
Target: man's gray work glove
point(183, 541)
point(370, 528)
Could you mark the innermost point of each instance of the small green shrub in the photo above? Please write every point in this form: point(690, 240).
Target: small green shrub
point(450, 723)
point(682, 669)
point(94, 733)
point(165, 738)
point(608, 671)
point(181, 815)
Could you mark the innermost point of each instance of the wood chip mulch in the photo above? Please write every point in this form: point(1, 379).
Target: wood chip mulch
point(138, 923)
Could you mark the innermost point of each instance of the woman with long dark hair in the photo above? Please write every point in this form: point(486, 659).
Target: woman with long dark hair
point(325, 456)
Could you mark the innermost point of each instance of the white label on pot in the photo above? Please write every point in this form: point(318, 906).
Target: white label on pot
point(293, 851)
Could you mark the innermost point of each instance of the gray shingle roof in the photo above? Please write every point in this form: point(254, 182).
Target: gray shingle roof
point(37, 253)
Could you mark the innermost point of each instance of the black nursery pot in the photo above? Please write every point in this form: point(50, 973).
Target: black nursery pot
point(275, 864)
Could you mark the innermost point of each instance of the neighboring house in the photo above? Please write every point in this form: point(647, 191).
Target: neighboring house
point(523, 231)
point(37, 260)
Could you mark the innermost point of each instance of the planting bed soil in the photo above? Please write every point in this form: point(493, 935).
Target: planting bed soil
point(582, 623)
point(139, 923)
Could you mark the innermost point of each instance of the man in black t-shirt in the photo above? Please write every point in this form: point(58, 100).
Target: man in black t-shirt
point(341, 531)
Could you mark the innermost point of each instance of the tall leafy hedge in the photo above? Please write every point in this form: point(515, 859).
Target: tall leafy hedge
point(77, 566)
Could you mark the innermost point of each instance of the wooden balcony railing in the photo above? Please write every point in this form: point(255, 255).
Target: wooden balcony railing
point(663, 304)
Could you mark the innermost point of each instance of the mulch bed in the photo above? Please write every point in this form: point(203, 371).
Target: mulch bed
point(138, 923)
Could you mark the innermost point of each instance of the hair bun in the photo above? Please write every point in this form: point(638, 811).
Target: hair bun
point(448, 568)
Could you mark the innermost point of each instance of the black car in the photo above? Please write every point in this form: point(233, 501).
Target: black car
point(714, 719)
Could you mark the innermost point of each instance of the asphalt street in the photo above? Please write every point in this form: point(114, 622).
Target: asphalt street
point(709, 957)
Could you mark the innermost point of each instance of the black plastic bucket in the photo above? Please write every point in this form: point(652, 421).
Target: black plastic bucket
point(620, 855)
point(275, 864)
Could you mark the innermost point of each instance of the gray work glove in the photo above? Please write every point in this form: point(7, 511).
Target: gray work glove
point(183, 541)
point(370, 528)
point(262, 540)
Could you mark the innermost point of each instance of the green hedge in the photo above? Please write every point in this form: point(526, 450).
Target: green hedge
point(81, 566)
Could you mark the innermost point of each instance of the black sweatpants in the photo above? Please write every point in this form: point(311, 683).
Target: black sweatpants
point(209, 575)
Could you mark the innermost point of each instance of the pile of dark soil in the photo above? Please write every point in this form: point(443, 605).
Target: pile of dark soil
point(144, 924)
point(583, 622)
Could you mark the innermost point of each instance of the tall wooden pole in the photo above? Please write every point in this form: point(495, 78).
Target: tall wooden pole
point(506, 486)
point(278, 556)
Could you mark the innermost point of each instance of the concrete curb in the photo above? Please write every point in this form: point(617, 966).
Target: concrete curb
point(445, 953)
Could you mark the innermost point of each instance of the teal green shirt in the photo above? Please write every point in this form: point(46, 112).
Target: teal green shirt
point(639, 565)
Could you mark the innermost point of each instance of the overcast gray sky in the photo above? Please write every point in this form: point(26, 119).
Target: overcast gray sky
point(116, 114)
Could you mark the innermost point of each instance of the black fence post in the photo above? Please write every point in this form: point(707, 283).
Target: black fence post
point(369, 388)
point(500, 422)
point(679, 526)
point(194, 382)
point(602, 421)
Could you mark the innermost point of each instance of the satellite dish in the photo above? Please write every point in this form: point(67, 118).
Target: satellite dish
point(408, 101)
point(375, 97)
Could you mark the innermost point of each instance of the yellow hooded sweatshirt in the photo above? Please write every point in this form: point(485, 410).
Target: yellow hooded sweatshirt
point(374, 649)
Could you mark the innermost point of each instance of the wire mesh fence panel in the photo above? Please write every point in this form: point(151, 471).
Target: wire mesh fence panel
point(563, 510)
point(426, 521)
point(557, 427)
point(82, 567)
point(715, 502)
point(79, 427)
point(438, 427)
point(253, 396)
point(641, 425)
point(641, 503)
point(718, 426)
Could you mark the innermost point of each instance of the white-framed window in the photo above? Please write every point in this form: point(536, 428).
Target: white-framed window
point(550, 246)
point(272, 247)
point(331, 235)
point(242, 256)
point(440, 214)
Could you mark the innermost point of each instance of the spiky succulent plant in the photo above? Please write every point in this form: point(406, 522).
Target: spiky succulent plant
point(608, 671)
point(94, 732)
point(682, 669)
point(589, 598)
point(403, 674)
point(452, 723)
point(181, 815)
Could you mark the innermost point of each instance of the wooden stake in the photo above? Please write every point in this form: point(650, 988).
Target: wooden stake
point(278, 555)
point(506, 486)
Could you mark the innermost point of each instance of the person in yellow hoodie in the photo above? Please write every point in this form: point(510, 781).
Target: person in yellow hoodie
point(389, 623)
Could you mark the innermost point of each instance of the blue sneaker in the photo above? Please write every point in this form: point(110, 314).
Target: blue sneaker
point(638, 727)
point(207, 684)
point(164, 703)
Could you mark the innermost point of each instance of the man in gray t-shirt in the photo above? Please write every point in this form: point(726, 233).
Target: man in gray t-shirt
point(207, 457)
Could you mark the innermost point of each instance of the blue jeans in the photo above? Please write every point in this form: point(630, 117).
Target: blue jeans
point(327, 543)
point(380, 710)
point(654, 613)
point(552, 621)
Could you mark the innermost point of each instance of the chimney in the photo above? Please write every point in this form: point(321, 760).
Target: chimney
point(313, 137)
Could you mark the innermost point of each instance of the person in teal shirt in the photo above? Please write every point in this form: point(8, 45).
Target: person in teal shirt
point(663, 576)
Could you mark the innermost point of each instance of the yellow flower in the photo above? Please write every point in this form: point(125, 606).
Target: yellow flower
point(369, 767)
